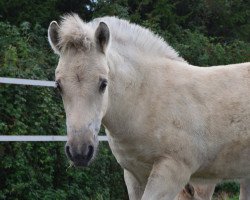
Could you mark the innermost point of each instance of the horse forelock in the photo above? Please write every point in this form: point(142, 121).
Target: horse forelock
point(74, 33)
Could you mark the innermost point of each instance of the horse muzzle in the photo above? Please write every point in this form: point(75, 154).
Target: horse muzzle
point(80, 151)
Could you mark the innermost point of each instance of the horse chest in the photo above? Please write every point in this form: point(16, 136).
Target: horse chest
point(132, 158)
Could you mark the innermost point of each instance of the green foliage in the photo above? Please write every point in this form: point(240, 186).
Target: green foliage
point(204, 32)
point(41, 11)
point(232, 189)
point(201, 50)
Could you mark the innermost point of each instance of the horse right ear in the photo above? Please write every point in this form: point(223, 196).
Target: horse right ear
point(102, 36)
point(53, 36)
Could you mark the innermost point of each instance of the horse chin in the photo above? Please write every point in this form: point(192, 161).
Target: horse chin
point(81, 163)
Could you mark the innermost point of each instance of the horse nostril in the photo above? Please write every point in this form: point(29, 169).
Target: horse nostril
point(67, 149)
point(90, 152)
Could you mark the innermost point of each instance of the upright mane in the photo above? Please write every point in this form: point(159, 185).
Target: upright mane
point(74, 30)
point(129, 34)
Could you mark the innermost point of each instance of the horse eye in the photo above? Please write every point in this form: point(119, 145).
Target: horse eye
point(58, 86)
point(103, 85)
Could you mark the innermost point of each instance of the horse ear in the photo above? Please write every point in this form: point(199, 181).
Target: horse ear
point(102, 36)
point(53, 36)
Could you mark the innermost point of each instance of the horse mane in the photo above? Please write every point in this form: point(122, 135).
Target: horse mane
point(75, 32)
point(129, 34)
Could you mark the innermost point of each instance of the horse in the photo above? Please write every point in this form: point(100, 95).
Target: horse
point(168, 122)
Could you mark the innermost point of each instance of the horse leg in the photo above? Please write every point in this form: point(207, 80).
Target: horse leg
point(167, 178)
point(245, 189)
point(194, 191)
point(187, 193)
point(135, 190)
point(204, 191)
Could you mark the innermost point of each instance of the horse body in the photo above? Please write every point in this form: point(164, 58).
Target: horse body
point(184, 106)
point(207, 131)
point(168, 122)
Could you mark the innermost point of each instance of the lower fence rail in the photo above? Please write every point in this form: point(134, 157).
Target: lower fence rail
point(39, 138)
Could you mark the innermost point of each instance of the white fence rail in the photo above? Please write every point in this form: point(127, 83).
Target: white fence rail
point(34, 138)
point(18, 81)
point(39, 138)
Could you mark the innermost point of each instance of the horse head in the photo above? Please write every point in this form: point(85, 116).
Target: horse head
point(82, 79)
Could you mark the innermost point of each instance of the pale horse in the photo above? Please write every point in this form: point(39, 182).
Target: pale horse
point(168, 122)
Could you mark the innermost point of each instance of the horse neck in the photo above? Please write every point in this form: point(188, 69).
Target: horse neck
point(125, 79)
point(132, 75)
point(136, 79)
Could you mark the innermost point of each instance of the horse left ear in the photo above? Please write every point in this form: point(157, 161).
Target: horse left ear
point(102, 36)
point(53, 36)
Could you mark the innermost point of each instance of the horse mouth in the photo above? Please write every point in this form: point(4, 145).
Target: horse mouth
point(84, 161)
